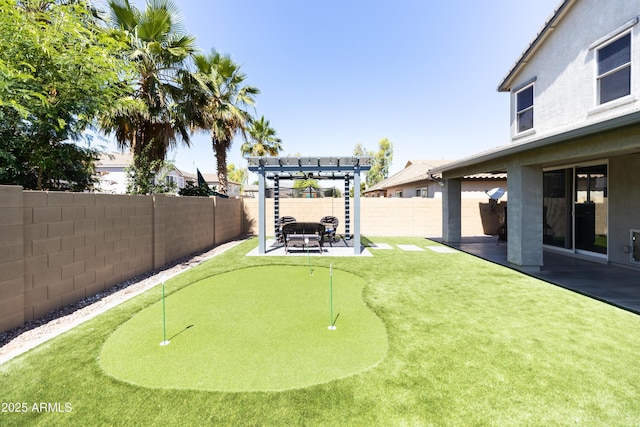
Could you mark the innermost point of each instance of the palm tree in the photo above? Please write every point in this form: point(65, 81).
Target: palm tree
point(262, 140)
point(151, 121)
point(220, 105)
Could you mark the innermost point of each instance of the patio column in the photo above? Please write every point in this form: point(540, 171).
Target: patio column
point(452, 210)
point(524, 217)
point(262, 246)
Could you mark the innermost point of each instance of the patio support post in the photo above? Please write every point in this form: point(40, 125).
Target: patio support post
point(452, 210)
point(356, 211)
point(262, 246)
point(524, 217)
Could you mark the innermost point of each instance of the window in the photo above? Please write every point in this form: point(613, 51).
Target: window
point(524, 109)
point(614, 69)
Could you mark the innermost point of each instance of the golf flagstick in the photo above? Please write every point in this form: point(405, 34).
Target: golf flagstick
point(164, 317)
point(306, 242)
point(332, 325)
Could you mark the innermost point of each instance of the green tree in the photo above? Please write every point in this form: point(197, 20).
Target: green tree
point(239, 175)
point(262, 140)
point(219, 100)
point(146, 176)
point(381, 163)
point(59, 67)
point(305, 187)
point(152, 120)
point(360, 151)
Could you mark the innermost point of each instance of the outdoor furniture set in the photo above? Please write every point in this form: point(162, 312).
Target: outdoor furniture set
point(305, 234)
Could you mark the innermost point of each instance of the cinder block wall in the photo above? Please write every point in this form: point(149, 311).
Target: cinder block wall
point(228, 218)
point(183, 225)
point(379, 216)
point(57, 248)
point(11, 257)
point(76, 245)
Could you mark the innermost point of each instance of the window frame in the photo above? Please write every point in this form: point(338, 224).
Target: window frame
point(620, 68)
point(531, 108)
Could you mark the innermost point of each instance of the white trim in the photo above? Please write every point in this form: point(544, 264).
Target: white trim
point(523, 134)
point(619, 102)
point(599, 76)
point(531, 107)
point(613, 34)
point(525, 84)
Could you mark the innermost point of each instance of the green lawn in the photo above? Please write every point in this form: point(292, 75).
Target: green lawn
point(469, 343)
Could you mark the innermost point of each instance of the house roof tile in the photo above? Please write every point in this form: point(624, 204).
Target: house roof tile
point(419, 170)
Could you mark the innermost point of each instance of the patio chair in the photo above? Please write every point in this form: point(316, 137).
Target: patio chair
point(281, 222)
point(330, 227)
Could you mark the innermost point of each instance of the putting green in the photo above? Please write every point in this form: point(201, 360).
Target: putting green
point(253, 329)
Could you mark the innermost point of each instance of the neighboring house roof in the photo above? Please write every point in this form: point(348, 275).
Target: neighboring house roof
point(412, 170)
point(420, 170)
point(112, 160)
point(549, 26)
point(212, 178)
point(186, 175)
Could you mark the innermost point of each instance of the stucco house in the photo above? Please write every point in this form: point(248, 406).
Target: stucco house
point(573, 162)
point(416, 180)
point(112, 176)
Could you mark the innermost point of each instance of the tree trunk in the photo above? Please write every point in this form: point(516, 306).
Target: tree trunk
point(221, 160)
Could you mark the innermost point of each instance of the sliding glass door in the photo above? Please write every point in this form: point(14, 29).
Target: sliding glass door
point(557, 207)
point(575, 208)
point(591, 209)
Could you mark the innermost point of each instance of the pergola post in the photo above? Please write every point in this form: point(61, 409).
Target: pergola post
point(262, 238)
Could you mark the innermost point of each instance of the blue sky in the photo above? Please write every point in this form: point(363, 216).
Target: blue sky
point(340, 72)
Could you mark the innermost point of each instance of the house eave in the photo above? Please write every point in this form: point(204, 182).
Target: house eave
point(549, 27)
point(516, 148)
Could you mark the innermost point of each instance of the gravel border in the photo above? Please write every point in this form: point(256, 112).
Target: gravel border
point(35, 332)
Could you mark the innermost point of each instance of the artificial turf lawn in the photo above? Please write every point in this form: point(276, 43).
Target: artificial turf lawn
point(252, 329)
point(470, 343)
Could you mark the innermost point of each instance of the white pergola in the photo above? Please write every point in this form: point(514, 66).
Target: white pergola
point(275, 168)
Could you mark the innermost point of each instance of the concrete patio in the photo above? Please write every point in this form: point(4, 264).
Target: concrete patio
point(341, 247)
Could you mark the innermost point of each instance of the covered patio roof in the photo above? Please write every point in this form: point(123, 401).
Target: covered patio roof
point(492, 160)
